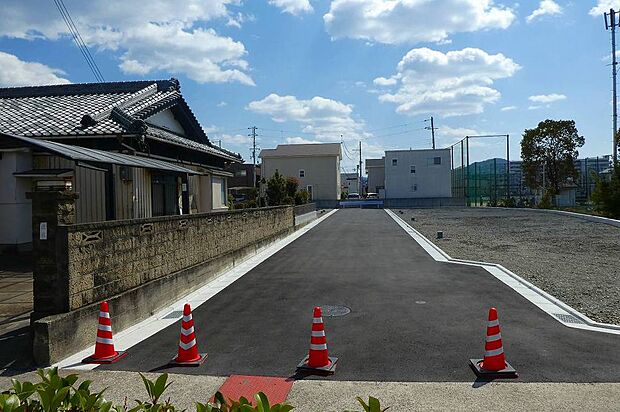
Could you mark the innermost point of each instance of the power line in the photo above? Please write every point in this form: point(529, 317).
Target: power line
point(78, 40)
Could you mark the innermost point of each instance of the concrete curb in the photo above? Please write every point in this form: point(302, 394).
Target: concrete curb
point(546, 302)
point(590, 218)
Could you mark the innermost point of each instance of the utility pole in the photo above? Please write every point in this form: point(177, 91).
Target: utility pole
point(612, 24)
point(360, 189)
point(432, 129)
point(253, 135)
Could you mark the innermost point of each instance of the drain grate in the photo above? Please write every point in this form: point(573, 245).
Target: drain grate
point(568, 318)
point(174, 315)
point(335, 310)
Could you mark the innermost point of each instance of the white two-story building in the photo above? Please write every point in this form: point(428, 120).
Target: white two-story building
point(418, 174)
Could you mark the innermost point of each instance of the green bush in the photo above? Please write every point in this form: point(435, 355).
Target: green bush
point(606, 195)
point(547, 200)
point(302, 197)
point(55, 393)
point(508, 202)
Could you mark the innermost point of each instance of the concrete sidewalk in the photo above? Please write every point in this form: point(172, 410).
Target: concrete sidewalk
point(323, 396)
point(16, 300)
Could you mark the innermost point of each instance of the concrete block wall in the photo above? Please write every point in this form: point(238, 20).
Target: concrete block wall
point(138, 266)
point(108, 258)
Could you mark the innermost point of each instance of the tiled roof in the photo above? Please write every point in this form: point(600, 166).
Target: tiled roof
point(97, 109)
point(170, 137)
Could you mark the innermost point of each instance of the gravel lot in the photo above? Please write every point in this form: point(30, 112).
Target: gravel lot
point(575, 260)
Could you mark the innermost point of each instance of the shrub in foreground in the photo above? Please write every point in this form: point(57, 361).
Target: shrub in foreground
point(56, 393)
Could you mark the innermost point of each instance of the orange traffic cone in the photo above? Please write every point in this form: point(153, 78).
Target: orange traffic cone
point(494, 364)
point(104, 344)
point(318, 359)
point(187, 354)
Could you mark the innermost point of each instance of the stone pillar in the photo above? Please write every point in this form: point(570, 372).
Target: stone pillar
point(51, 210)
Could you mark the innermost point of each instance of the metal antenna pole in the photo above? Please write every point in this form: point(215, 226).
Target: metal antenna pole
point(614, 62)
point(360, 189)
point(253, 135)
point(432, 129)
point(508, 166)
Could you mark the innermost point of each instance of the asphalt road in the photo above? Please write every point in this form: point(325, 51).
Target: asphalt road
point(412, 319)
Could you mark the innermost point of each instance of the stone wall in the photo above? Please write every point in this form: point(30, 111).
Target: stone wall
point(109, 258)
point(138, 266)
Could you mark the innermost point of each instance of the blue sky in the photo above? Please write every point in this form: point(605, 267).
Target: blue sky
point(332, 70)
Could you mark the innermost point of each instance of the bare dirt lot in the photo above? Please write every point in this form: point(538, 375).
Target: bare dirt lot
point(575, 260)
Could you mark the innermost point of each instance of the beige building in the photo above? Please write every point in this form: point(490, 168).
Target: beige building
point(375, 168)
point(316, 166)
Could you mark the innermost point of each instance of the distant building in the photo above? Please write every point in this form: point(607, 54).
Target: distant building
point(349, 182)
point(417, 174)
point(316, 166)
point(242, 176)
point(375, 168)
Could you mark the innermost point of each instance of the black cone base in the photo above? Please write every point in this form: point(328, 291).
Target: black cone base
point(119, 355)
point(507, 373)
point(328, 369)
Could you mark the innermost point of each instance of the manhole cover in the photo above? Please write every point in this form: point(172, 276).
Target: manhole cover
point(334, 310)
point(568, 318)
point(174, 315)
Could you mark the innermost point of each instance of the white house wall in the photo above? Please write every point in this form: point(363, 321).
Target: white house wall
point(428, 181)
point(166, 120)
point(219, 192)
point(15, 209)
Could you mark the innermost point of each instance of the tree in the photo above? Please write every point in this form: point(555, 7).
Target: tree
point(276, 189)
point(549, 152)
point(291, 186)
point(606, 195)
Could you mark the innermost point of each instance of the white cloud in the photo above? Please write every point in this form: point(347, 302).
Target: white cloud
point(535, 107)
point(447, 84)
point(294, 7)
point(546, 7)
point(324, 118)
point(301, 140)
point(16, 72)
point(382, 81)
point(547, 98)
point(508, 108)
point(412, 21)
point(222, 104)
point(160, 36)
point(603, 6)
point(239, 139)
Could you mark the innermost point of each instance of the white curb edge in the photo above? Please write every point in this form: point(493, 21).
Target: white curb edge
point(543, 300)
point(153, 324)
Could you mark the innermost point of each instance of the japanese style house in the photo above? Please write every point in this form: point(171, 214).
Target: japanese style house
point(129, 149)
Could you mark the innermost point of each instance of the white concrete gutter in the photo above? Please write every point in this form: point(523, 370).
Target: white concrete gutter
point(554, 307)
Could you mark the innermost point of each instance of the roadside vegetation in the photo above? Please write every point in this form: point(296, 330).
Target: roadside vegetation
point(55, 393)
point(606, 196)
point(285, 191)
point(549, 152)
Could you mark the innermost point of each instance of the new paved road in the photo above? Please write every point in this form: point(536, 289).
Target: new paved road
point(412, 319)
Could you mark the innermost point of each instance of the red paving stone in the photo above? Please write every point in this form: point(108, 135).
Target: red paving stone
point(276, 389)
